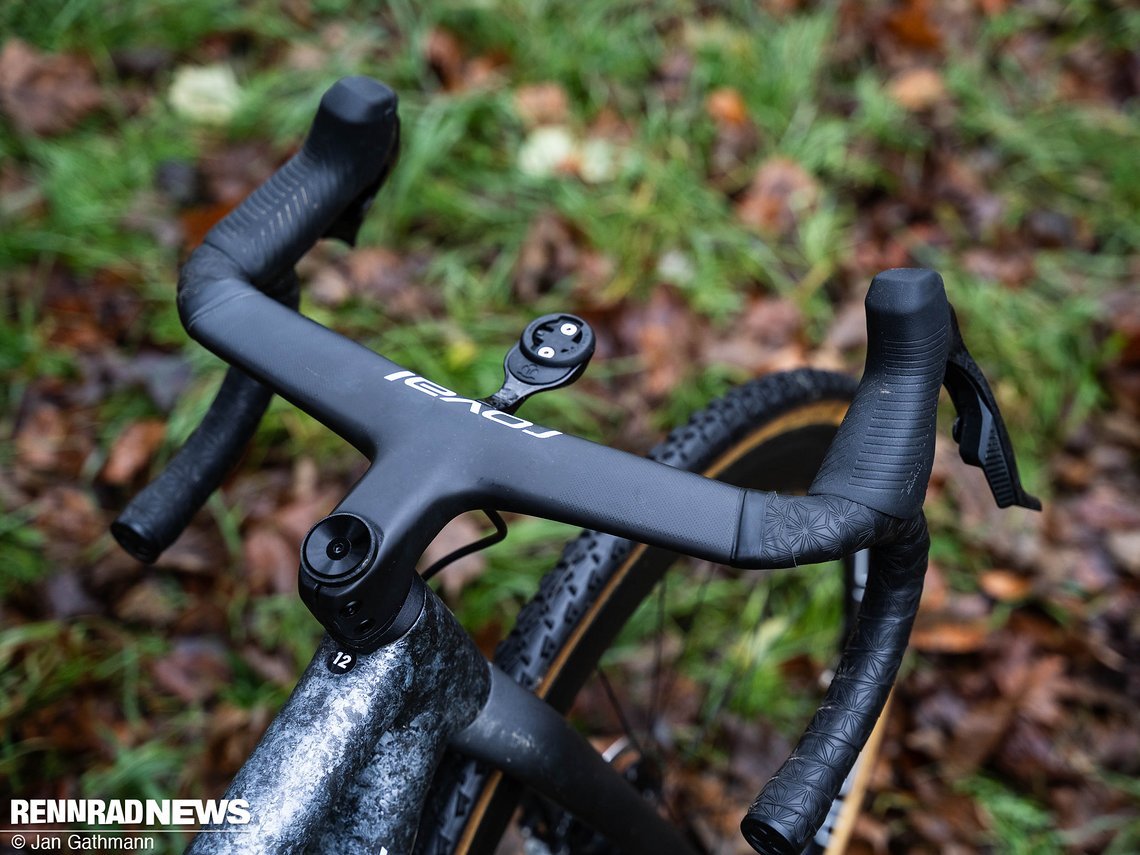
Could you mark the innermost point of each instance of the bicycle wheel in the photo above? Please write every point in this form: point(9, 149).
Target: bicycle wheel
point(615, 632)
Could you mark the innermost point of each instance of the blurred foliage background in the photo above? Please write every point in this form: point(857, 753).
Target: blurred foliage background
point(713, 185)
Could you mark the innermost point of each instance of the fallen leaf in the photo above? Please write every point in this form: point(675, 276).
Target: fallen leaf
point(40, 437)
point(270, 561)
point(132, 451)
point(393, 280)
point(935, 590)
point(195, 670)
point(207, 94)
point(144, 62)
point(193, 552)
point(918, 89)
point(977, 735)
point(444, 56)
point(673, 75)
point(663, 334)
point(736, 140)
point(231, 172)
point(912, 25)
point(939, 635)
point(66, 596)
point(274, 669)
point(548, 255)
point(1050, 229)
point(1006, 586)
point(232, 734)
point(598, 160)
point(45, 94)
point(150, 602)
point(68, 515)
point(547, 151)
point(780, 192)
point(197, 221)
point(458, 533)
point(1124, 546)
point(542, 104)
point(768, 337)
point(849, 329)
point(1012, 268)
point(726, 106)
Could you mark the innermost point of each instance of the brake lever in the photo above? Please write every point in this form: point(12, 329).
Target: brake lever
point(979, 429)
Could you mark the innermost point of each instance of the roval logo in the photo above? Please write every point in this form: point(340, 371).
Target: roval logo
point(434, 390)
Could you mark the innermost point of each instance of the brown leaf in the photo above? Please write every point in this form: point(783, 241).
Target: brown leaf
point(458, 533)
point(66, 597)
point(912, 25)
point(68, 515)
point(935, 590)
point(663, 334)
point(193, 552)
point(444, 55)
point(233, 732)
point(196, 221)
point(977, 735)
point(1013, 268)
point(40, 437)
point(194, 670)
point(595, 271)
point(949, 635)
point(45, 94)
point(918, 89)
point(149, 602)
point(132, 451)
point(89, 315)
point(381, 275)
point(767, 338)
point(542, 104)
point(726, 106)
point(549, 254)
point(270, 561)
point(780, 192)
point(1006, 586)
point(275, 669)
point(229, 173)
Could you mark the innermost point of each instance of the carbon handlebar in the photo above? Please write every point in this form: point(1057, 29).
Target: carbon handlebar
point(323, 190)
point(436, 453)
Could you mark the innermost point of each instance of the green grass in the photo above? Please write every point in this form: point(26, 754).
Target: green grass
point(1018, 825)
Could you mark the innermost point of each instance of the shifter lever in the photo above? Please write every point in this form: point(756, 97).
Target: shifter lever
point(979, 429)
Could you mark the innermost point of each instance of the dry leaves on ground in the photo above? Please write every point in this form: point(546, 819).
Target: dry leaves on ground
point(46, 94)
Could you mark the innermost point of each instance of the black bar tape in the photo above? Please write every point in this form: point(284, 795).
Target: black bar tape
point(882, 455)
point(350, 147)
point(154, 519)
point(794, 804)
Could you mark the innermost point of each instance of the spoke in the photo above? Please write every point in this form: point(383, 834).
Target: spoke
point(623, 720)
point(702, 593)
point(658, 660)
point(608, 688)
point(743, 670)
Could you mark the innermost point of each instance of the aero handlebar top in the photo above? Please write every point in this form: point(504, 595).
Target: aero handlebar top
point(436, 453)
